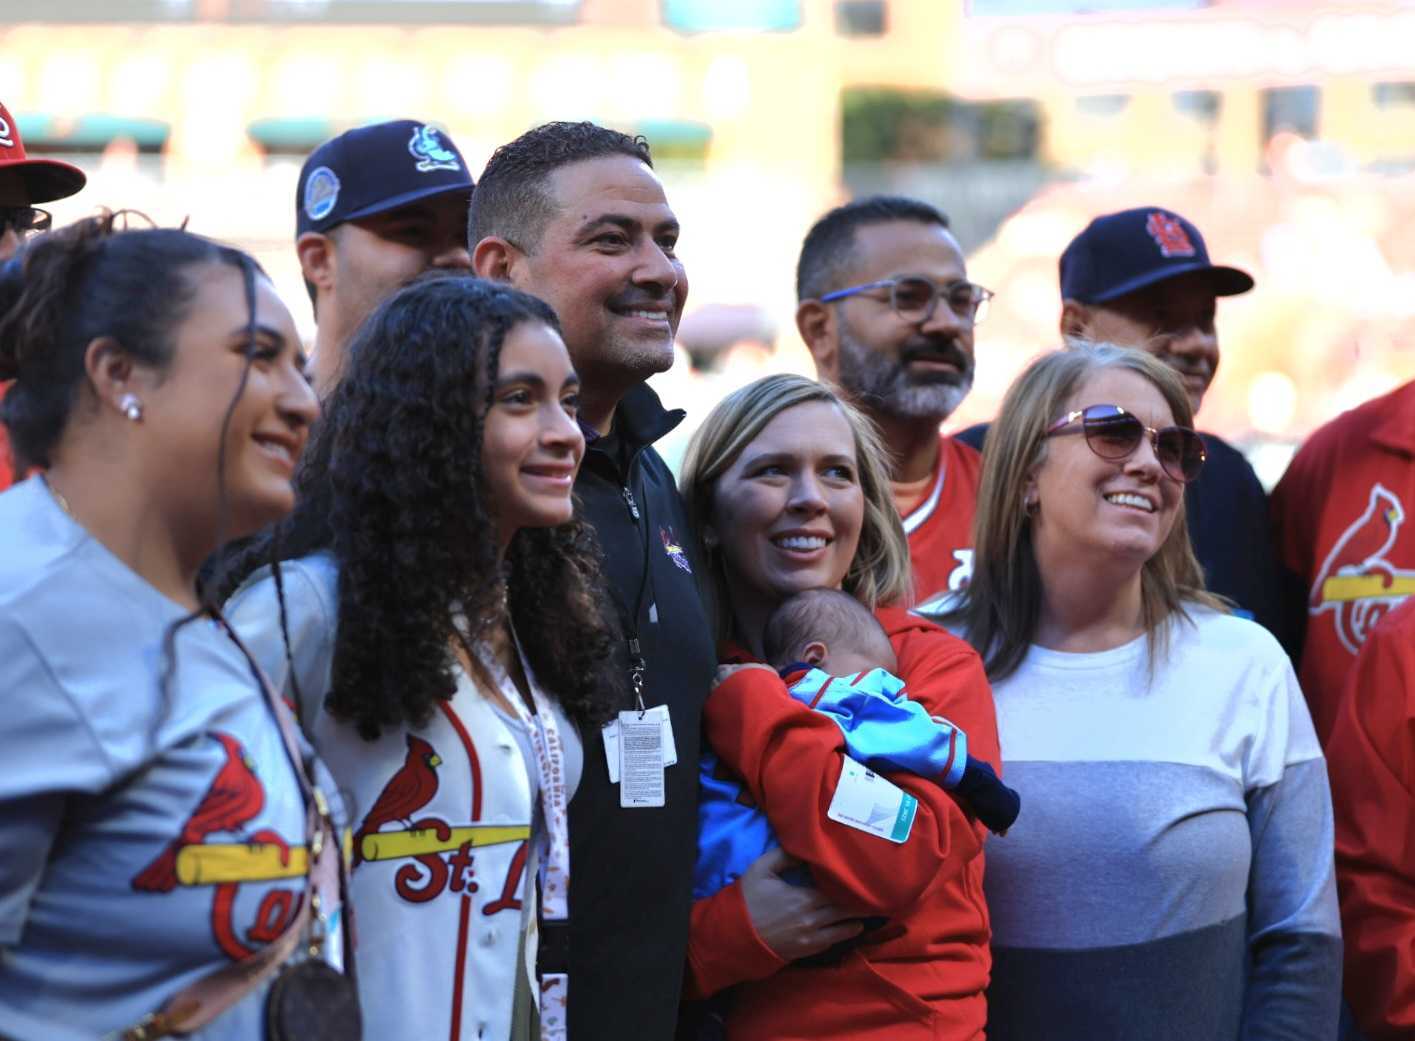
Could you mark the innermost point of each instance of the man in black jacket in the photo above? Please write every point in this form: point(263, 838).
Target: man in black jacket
point(575, 214)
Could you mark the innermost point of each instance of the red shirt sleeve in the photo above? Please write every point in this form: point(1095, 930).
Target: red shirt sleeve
point(723, 947)
point(1371, 760)
point(790, 759)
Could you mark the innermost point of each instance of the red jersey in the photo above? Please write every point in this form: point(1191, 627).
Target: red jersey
point(940, 529)
point(923, 979)
point(1371, 759)
point(1344, 525)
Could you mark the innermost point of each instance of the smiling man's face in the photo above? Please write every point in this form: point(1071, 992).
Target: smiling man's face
point(606, 263)
point(911, 370)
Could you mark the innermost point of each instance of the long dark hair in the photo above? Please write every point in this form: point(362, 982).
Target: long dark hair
point(392, 485)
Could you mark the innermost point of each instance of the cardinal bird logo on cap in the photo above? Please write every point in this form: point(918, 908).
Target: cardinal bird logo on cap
point(427, 148)
point(1169, 235)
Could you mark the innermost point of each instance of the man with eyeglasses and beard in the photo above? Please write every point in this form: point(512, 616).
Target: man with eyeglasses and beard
point(887, 312)
point(24, 182)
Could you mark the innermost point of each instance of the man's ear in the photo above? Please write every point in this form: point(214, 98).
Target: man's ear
point(816, 322)
point(316, 252)
point(496, 259)
point(1075, 320)
point(814, 652)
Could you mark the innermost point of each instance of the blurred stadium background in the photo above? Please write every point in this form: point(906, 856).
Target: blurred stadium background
point(1285, 130)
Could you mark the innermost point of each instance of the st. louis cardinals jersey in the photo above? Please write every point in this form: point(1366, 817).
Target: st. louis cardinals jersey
point(940, 528)
point(149, 834)
point(444, 861)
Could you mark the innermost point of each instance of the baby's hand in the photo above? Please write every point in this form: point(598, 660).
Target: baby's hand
point(724, 671)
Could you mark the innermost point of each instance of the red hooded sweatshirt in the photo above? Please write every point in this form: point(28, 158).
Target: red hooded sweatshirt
point(923, 975)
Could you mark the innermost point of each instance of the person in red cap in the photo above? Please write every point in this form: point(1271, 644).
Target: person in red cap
point(24, 182)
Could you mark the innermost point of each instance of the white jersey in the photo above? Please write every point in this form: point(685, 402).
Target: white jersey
point(443, 817)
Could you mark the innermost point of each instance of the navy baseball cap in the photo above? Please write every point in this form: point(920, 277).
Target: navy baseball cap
point(376, 168)
point(1119, 253)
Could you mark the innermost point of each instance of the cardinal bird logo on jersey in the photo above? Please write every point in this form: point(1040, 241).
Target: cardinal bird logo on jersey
point(1357, 585)
point(234, 799)
point(407, 792)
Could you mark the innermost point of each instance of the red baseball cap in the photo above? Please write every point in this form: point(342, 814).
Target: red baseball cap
point(45, 179)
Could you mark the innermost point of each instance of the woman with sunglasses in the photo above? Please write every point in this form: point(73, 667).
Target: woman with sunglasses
point(1172, 877)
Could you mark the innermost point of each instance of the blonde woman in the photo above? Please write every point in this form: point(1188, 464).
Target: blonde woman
point(1172, 877)
point(788, 486)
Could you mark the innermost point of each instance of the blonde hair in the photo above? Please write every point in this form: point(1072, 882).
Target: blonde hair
point(880, 572)
point(1001, 607)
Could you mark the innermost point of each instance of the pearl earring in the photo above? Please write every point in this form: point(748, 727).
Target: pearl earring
point(131, 407)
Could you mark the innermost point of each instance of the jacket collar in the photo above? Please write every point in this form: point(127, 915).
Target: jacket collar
point(1396, 430)
point(639, 421)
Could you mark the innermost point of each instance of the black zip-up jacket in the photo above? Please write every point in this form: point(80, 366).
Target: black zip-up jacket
point(631, 871)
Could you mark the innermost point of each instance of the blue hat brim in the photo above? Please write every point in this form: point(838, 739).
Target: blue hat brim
point(1226, 281)
point(395, 201)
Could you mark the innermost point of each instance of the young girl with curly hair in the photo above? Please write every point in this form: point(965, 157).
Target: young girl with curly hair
point(446, 639)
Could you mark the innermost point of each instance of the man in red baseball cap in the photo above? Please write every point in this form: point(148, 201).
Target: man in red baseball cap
point(24, 182)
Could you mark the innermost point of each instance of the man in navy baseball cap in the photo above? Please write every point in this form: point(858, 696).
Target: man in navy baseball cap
point(1142, 278)
point(375, 207)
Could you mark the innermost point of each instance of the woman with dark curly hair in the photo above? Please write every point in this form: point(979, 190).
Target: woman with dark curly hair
point(435, 526)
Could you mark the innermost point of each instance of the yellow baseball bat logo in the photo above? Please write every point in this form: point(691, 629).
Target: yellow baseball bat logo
point(216, 863)
point(1345, 588)
point(414, 842)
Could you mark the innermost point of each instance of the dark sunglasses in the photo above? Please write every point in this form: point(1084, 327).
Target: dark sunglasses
point(24, 219)
point(1112, 433)
point(915, 298)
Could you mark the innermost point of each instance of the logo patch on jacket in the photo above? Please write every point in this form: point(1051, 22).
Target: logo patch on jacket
point(1358, 583)
point(674, 551)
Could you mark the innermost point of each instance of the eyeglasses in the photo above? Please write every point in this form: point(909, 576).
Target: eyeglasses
point(24, 219)
point(914, 298)
point(1112, 433)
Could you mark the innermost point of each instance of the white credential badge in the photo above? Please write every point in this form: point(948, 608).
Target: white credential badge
point(868, 802)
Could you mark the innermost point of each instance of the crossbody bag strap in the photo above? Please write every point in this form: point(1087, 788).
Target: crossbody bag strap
point(199, 1003)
